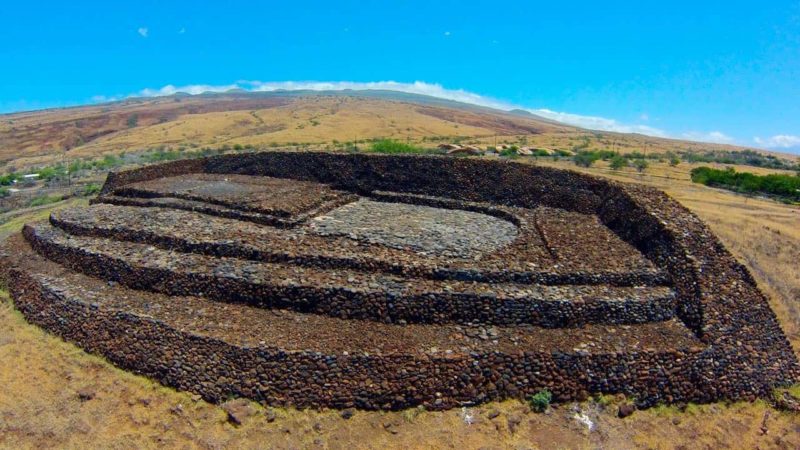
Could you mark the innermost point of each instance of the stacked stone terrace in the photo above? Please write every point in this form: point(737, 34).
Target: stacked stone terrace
point(322, 280)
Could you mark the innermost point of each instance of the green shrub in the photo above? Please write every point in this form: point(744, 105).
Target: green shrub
point(9, 179)
point(618, 162)
point(636, 155)
point(391, 146)
point(45, 200)
point(47, 173)
point(585, 159)
point(743, 157)
point(540, 401)
point(91, 189)
point(509, 153)
point(785, 187)
point(640, 164)
point(107, 162)
point(605, 155)
point(4, 192)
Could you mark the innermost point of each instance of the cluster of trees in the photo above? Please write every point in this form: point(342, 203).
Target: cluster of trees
point(744, 157)
point(616, 161)
point(9, 179)
point(784, 187)
point(586, 158)
point(390, 146)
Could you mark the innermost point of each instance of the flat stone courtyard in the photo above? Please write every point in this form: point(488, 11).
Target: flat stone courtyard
point(423, 229)
point(351, 281)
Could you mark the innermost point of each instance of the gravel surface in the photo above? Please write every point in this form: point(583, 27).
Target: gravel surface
point(423, 229)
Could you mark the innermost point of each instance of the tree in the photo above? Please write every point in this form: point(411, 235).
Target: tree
point(640, 164)
point(618, 162)
point(133, 120)
point(674, 161)
point(584, 159)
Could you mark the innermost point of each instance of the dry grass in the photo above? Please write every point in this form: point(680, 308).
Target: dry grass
point(41, 375)
point(45, 137)
point(13, 221)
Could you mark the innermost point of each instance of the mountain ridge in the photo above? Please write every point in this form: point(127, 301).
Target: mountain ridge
point(307, 118)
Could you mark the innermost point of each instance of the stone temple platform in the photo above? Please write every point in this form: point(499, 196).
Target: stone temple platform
point(384, 282)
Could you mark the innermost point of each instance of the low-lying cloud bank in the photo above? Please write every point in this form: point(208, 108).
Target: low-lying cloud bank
point(460, 95)
point(784, 141)
point(711, 136)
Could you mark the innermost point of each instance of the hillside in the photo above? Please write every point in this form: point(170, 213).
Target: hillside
point(301, 119)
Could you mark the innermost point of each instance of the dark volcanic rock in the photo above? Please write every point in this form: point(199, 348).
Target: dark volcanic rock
point(626, 410)
point(270, 276)
point(86, 393)
point(238, 410)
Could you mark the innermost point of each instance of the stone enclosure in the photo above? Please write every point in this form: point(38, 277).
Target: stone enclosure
point(385, 282)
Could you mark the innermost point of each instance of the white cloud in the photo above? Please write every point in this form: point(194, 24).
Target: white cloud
point(598, 123)
point(142, 31)
point(779, 141)
point(104, 98)
point(711, 136)
point(193, 89)
point(447, 33)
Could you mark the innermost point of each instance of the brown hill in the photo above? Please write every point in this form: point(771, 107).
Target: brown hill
point(289, 119)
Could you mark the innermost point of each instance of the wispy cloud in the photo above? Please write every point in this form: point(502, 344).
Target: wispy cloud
point(711, 136)
point(143, 31)
point(779, 141)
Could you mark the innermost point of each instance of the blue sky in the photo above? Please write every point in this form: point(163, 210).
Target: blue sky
point(716, 71)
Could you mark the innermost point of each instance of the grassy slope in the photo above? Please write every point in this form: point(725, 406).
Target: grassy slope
point(41, 375)
point(40, 137)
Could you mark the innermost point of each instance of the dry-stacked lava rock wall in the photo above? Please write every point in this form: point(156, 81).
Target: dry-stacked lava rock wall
point(371, 347)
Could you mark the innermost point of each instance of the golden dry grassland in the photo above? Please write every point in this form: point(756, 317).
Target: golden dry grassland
point(42, 138)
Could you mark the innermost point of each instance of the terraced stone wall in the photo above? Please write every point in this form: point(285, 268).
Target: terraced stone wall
point(217, 370)
point(744, 351)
